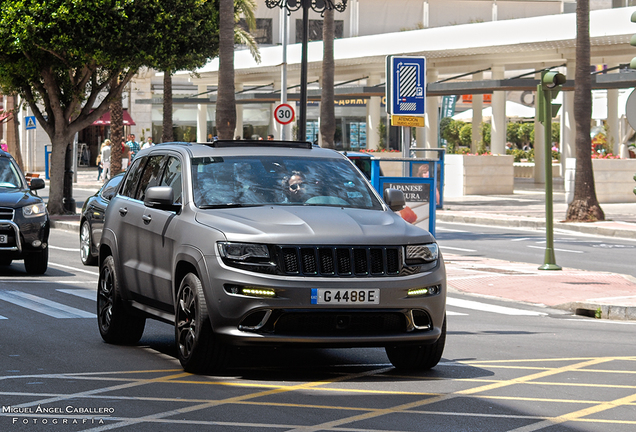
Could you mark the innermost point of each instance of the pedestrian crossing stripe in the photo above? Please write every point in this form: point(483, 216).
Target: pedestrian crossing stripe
point(41, 305)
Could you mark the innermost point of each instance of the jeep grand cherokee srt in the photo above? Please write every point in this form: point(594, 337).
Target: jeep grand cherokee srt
point(254, 243)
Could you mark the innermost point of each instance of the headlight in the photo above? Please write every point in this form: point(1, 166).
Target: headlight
point(244, 253)
point(422, 254)
point(34, 210)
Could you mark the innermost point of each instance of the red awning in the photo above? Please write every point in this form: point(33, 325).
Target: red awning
point(105, 119)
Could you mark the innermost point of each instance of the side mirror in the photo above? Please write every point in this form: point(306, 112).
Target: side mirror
point(394, 198)
point(161, 197)
point(36, 183)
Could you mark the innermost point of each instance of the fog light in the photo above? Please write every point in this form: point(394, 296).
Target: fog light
point(36, 243)
point(428, 291)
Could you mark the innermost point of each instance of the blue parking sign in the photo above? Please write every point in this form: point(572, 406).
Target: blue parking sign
point(406, 85)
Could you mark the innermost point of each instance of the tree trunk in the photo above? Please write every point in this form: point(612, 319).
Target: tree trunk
point(584, 206)
point(116, 135)
point(327, 115)
point(226, 101)
point(167, 135)
point(59, 144)
point(13, 131)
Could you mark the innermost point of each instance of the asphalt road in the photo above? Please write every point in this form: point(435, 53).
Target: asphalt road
point(506, 367)
point(571, 249)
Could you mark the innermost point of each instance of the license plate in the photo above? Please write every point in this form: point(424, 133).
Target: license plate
point(4, 238)
point(345, 296)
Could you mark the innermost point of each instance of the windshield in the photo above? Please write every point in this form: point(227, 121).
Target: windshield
point(9, 175)
point(220, 182)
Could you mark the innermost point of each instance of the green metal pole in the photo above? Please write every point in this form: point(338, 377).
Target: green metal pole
point(549, 261)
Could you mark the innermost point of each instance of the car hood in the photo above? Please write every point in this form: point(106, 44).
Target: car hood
point(16, 198)
point(313, 225)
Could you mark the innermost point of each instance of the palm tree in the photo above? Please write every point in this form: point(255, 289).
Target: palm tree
point(116, 134)
point(229, 33)
point(167, 134)
point(584, 206)
point(327, 115)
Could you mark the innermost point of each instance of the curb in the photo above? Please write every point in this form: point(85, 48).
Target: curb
point(612, 312)
point(506, 221)
point(66, 225)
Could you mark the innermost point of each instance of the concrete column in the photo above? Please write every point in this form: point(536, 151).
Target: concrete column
point(238, 131)
point(613, 138)
point(431, 120)
point(568, 125)
point(539, 142)
point(498, 133)
point(373, 116)
point(478, 106)
point(202, 114)
point(275, 128)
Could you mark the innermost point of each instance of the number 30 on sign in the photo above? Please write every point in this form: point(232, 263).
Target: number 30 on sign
point(284, 114)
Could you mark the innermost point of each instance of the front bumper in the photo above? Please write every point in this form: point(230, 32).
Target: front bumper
point(290, 318)
point(30, 236)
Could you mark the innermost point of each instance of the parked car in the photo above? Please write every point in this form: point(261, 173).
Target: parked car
point(266, 243)
point(92, 219)
point(24, 220)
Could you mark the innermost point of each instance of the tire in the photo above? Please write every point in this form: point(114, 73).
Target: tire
point(198, 349)
point(115, 325)
point(418, 357)
point(37, 262)
point(86, 245)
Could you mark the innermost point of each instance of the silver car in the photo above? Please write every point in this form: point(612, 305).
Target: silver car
point(277, 243)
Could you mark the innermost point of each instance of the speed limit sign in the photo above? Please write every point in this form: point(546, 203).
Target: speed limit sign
point(284, 114)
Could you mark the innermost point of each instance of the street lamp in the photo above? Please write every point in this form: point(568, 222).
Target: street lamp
point(318, 6)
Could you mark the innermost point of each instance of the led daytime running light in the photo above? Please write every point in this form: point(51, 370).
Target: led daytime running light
point(258, 292)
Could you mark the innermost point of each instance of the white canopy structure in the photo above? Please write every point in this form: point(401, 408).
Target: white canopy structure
point(513, 109)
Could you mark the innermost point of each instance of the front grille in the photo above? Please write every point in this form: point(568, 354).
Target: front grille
point(340, 261)
point(6, 213)
point(340, 323)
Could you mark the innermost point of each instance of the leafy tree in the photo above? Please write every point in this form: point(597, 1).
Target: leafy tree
point(451, 133)
point(512, 133)
point(193, 26)
point(60, 55)
point(466, 134)
point(584, 205)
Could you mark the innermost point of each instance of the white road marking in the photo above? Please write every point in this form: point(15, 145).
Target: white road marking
point(64, 249)
point(458, 249)
point(44, 306)
point(560, 250)
point(74, 268)
point(88, 294)
point(469, 304)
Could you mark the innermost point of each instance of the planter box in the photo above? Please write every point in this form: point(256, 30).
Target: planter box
point(526, 169)
point(478, 175)
point(614, 180)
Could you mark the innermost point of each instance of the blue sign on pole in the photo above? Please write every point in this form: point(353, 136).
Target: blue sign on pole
point(29, 122)
point(406, 86)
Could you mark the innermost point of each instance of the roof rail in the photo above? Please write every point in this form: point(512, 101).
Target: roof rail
point(263, 143)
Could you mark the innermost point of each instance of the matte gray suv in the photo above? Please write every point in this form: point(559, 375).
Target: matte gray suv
point(279, 243)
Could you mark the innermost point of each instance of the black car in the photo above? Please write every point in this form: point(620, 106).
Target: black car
point(92, 219)
point(24, 220)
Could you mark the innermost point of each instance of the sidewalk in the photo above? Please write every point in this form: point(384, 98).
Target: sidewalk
point(581, 292)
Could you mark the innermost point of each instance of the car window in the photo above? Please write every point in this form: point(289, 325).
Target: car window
point(129, 188)
point(262, 180)
point(151, 175)
point(110, 188)
point(172, 178)
point(9, 175)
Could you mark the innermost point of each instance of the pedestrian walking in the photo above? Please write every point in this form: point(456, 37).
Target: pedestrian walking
point(105, 156)
point(133, 145)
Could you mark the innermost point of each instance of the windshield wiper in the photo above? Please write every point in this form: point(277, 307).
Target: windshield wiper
point(228, 205)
